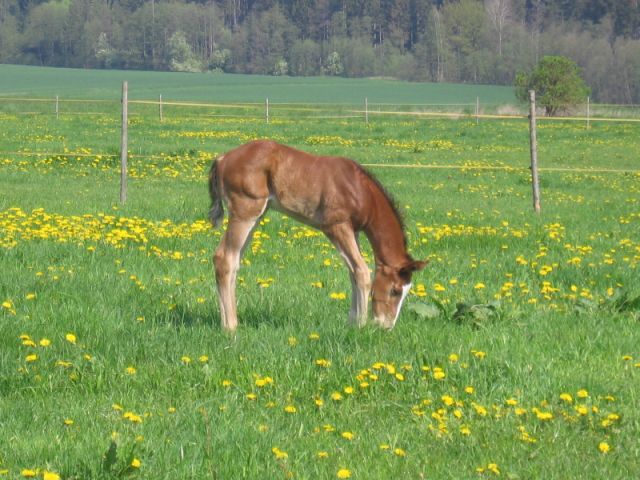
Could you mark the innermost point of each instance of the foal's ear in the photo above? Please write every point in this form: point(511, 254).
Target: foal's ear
point(413, 266)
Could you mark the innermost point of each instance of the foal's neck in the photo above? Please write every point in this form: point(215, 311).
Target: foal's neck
point(384, 231)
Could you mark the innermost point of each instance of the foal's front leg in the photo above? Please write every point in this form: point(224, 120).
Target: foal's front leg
point(344, 238)
point(227, 261)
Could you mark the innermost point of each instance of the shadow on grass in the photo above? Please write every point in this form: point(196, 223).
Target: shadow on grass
point(183, 316)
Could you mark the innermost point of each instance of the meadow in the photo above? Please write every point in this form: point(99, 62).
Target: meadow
point(25, 81)
point(516, 354)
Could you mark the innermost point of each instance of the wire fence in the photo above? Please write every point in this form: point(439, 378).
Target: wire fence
point(266, 111)
point(269, 111)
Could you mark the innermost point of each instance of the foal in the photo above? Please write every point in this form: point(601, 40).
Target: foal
point(332, 194)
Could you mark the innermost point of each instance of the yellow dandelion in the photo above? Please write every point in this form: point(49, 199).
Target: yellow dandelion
point(544, 416)
point(290, 409)
point(31, 358)
point(344, 473)
point(132, 417)
point(136, 463)
point(604, 447)
point(566, 397)
point(399, 452)
point(279, 454)
point(45, 342)
point(71, 338)
point(322, 454)
point(347, 435)
point(582, 393)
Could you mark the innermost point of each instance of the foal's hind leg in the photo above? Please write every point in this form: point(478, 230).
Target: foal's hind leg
point(344, 238)
point(227, 260)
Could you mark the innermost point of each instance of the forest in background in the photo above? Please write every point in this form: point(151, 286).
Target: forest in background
point(468, 41)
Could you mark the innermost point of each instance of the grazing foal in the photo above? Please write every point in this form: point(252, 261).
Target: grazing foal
point(332, 194)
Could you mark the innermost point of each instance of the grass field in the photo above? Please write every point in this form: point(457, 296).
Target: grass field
point(516, 354)
point(22, 81)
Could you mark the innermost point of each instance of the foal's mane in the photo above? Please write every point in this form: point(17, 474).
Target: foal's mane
point(390, 199)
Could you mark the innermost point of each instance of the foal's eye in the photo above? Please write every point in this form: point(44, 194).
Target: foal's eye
point(395, 292)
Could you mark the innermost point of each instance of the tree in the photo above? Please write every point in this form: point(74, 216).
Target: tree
point(181, 57)
point(557, 83)
point(334, 64)
point(498, 12)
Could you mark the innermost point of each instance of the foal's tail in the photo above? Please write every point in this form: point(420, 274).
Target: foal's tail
point(216, 213)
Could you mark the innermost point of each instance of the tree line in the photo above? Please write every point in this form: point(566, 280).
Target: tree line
point(472, 41)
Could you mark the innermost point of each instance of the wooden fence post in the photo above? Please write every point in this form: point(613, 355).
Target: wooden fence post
point(477, 110)
point(534, 151)
point(588, 113)
point(160, 108)
point(267, 109)
point(366, 110)
point(57, 107)
point(124, 144)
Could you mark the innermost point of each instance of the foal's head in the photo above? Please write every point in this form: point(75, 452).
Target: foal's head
point(390, 287)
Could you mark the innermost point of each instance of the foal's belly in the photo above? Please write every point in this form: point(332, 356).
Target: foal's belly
point(299, 211)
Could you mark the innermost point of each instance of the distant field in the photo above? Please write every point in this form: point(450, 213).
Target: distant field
point(23, 81)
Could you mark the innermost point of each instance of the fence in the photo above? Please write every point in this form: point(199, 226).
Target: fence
point(366, 110)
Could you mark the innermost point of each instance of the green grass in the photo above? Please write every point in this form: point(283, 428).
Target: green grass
point(23, 81)
point(134, 284)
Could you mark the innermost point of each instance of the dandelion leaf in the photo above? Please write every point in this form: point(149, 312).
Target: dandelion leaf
point(475, 314)
point(110, 457)
point(425, 310)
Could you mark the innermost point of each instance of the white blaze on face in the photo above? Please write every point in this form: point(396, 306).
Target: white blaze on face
point(405, 291)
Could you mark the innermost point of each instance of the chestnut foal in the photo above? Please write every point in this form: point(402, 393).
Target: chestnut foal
point(332, 194)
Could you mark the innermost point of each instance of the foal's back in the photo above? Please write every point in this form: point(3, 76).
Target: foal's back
point(321, 191)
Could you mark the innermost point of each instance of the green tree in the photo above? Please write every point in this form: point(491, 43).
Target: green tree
point(181, 57)
point(557, 83)
point(334, 64)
